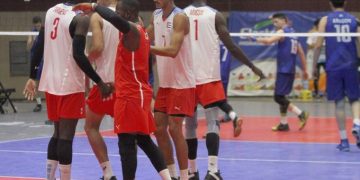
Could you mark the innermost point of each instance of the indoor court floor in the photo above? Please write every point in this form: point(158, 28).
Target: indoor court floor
point(258, 153)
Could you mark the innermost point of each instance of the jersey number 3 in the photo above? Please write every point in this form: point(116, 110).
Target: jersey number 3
point(53, 34)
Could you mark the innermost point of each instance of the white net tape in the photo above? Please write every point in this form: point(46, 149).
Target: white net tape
point(19, 33)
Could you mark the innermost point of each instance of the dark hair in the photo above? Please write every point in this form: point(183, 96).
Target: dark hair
point(316, 22)
point(338, 3)
point(132, 5)
point(279, 16)
point(36, 19)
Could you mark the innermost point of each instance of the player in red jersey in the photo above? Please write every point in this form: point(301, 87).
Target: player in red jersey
point(133, 118)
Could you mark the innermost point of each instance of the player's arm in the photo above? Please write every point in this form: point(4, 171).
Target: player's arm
point(97, 41)
point(79, 41)
point(29, 42)
point(129, 29)
point(301, 54)
point(318, 44)
point(271, 40)
point(358, 38)
point(30, 87)
point(223, 32)
point(180, 29)
point(150, 29)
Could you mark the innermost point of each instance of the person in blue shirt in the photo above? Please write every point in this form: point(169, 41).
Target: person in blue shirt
point(288, 49)
point(31, 42)
point(341, 67)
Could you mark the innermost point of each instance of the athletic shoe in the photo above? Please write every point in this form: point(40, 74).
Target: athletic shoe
point(37, 108)
point(112, 178)
point(237, 126)
point(281, 127)
point(213, 176)
point(344, 145)
point(174, 178)
point(303, 117)
point(356, 133)
point(194, 176)
point(48, 122)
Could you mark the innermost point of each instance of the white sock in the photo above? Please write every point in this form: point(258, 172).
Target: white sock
point(65, 172)
point(232, 115)
point(172, 170)
point(192, 166)
point(165, 174)
point(38, 100)
point(357, 122)
point(107, 170)
point(294, 109)
point(213, 164)
point(283, 120)
point(184, 174)
point(343, 134)
point(51, 166)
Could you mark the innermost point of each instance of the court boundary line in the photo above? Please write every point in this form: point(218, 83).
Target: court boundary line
point(205, 158)
point(200, 139)
point(20, 177)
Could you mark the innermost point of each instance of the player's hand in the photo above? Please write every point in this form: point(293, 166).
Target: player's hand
point(106, 90)
point(305, 76)
point(258, 72)
point(85, 7)
point(30, 89)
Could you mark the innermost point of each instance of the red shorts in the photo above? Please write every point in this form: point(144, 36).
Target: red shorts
point(175, 101)
point(97, 105)
point(70, 106)
point(209, 93)
point(133, 116)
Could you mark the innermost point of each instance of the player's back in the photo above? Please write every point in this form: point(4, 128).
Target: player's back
point(287, 51)
point(61, 75)
point(341, 52)
point(205, 43)
point(132, 69)
point(106, 62)
point(175, 72)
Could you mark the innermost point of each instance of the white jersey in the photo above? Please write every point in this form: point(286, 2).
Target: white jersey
point(205, 43)
point(61, 75)
point(105, 64)
point(178, 72)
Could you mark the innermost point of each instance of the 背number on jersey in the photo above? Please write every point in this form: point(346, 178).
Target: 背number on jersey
point(342, 28)
point(53, 34)
point(196, 29)
point(294, 46)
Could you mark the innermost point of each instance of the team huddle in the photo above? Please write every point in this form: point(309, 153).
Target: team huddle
point(187, 48)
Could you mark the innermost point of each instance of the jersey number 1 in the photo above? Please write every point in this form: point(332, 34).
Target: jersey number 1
point(53, 34)
point(196, 29)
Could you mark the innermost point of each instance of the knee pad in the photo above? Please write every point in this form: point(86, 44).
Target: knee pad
point(212, 144)
point(192, 148)
point(213, 124)
point(52, 149)
point(64, 151)
point(283, 102)
point(127, 144)
point(191, 125)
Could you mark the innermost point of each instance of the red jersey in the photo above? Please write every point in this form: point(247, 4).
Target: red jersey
point(132, 70)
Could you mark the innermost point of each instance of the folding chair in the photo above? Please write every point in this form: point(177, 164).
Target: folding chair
point(5, 96)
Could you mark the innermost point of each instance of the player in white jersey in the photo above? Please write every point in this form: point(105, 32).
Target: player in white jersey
point(62, 43)
point(169, 28)
point(105, 39)
point(207, 28)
